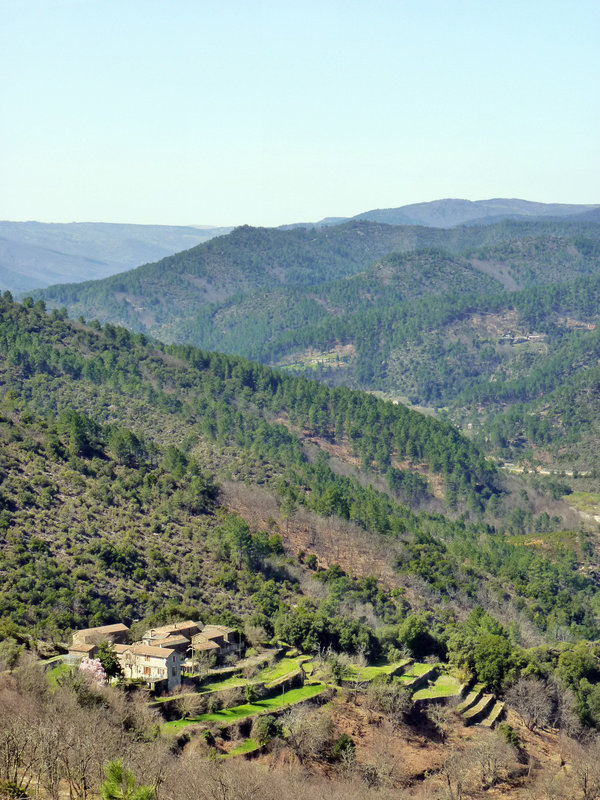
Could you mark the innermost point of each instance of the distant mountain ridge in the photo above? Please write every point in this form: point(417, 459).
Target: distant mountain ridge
point(163, 298)
point(37, 254)
point(450, 212)
point(34, 255)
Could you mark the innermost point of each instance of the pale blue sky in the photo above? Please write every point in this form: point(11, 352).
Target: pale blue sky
point(231, 112)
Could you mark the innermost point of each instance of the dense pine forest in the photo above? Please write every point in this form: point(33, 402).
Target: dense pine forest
point(485, 324)
point(153, 430)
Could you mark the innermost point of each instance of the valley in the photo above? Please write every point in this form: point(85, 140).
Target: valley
point(455, 320)
point(415, 594)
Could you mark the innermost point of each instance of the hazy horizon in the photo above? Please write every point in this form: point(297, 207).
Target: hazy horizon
point(268, 114)
point(234, 224)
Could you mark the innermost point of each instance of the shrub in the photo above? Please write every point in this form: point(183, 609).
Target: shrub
point(343, 748)
point(11, 790)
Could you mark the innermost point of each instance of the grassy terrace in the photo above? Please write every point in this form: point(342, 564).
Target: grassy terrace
point(415, 671)
point(228, 683)
point(286, 666)
point(251, 709)
point(471, 698)
point(56, 673)
point(368, 673)
point(248, 746)
point(444, 686)
point(479, 707)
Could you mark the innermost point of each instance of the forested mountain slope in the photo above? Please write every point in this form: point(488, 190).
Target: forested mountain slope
point(358, 315)
point(497, 364)
point(436, 327)
point(160, 298)
point(263, 325)
point(110, 443)
point(221, 393)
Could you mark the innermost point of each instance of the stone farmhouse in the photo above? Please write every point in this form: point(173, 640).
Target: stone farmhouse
point(191, 639)
point(176, 636)
point(85, 642)
point(158, 658)
point(217, 639)
point(151, 664)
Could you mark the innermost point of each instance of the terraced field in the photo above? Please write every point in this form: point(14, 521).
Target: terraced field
point(427, 682)
point(286, 666)
point(246, 710)
point(416, 673)
point(494, 716)
point(443, 686)
point(366, 674)
point(479, 711)
point(268, 675)
point(472, 698)
point(247, 746)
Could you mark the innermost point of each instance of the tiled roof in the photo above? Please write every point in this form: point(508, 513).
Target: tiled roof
point(174, 627)
point(142, 650)
point(208, 645)
point(170, 641)
point(215, 630)
point(118, 627)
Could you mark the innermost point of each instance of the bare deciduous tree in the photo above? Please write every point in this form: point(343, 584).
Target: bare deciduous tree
point(531, 699)
point(307, 733)
point(440, 715)
point(584, 760)
point(454, 775)
point(564, 715)
point(18, 742)
point(190, 704)
point(491, 757)
point(391, 699)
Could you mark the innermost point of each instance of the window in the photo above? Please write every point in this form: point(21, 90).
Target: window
point(146, 670)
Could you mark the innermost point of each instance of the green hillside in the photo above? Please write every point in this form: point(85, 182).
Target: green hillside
point(162, 298)
point(113, 451)
point(502, 317)
point(263, 325)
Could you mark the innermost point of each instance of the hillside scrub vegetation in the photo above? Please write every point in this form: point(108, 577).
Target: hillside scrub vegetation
point(119, 462)
point(493, 325)
point(112, 446)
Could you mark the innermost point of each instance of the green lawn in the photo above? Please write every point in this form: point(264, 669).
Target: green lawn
point(53, 675)
point(416, 671)
point(284, 666)
point(444, 686)
point(249, 746)
point(251, 709)
point(228, 683)
point(368, 673)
